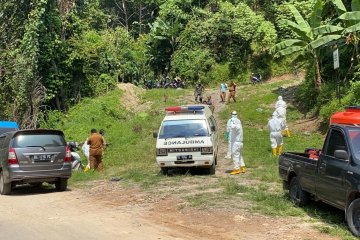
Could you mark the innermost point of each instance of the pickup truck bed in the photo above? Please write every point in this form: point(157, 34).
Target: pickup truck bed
point(293, 161)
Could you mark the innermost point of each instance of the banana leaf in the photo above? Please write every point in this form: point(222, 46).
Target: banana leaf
point(316, 13)
point(324, 29)
point(351, 29)
point(349, 16)
point(339, 5)
point(302, 32)
point(324, 40)
point(299, 19)
point(290, 50)
point(288, 43)
point(355, 5)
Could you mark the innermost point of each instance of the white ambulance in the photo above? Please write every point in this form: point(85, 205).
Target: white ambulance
point(187, 137)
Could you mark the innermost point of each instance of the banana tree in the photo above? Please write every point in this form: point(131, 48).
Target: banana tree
point(351, 23)
point(310, 35)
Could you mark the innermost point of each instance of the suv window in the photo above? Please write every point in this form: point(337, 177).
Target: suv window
point(38, 140)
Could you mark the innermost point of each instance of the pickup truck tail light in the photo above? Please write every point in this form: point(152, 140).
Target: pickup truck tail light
point(12, 160)
point(68, 154)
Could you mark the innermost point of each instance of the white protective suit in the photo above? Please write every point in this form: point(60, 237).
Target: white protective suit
point(280, 112)
point(236, 141)
point(275, 127)
point(280, 103)
point(228, 154)
point(86, 150)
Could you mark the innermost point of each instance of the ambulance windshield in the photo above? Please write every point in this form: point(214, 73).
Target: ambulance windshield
point(183, 129)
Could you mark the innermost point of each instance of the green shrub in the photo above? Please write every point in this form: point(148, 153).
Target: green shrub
point(219, 73)
point(307, 93)
point(352, 97)
point(51, 119)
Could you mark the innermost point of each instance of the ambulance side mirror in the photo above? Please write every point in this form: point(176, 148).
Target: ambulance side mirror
point(155, 134)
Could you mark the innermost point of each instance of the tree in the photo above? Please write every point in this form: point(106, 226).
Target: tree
point(309, 36)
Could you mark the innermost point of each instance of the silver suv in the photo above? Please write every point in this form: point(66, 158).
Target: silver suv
point(34, 156)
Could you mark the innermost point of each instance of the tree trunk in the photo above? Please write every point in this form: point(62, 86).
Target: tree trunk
point(140, 19)
point(126, 18)
point(317, 73)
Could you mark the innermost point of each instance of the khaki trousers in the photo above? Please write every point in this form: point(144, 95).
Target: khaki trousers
point(96, 162)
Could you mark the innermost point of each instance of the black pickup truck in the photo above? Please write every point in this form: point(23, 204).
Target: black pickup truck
point(330, 174)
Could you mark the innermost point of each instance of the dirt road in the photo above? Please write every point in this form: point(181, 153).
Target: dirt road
point(46, 214)
point(109, 211)
point(113, 210)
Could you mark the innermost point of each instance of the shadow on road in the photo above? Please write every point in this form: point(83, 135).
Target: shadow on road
point(28, 189)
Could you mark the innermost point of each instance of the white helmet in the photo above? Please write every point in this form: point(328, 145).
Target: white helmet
point(280, 98)
point(233, 113)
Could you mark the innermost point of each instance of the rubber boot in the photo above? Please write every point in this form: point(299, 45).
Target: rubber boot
point(279, 150)
point(235, 171)
point(287, 133)
point(243, 169)
point(274, 152)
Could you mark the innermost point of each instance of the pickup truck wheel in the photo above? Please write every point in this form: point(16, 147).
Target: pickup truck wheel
point(5, 188)
point(353, 217)
point(61, 184)
point(298, 196)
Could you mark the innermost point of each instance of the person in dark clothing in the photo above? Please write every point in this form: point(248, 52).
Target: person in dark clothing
point(198, 93)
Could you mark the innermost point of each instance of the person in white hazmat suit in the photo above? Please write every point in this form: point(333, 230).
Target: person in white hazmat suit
point(236, 144)
point(276, 139)
point(86, 150)
point(280, 113)
point(228, 154)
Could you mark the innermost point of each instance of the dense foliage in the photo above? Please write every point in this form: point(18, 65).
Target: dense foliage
point(54, 53)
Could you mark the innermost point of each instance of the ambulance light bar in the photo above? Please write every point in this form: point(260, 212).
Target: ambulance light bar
point(178, 109)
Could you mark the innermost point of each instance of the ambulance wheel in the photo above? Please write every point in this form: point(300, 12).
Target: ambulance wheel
point(211, 169)
point(164, 171)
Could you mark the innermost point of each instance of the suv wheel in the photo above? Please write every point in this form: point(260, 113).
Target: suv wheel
point(5, 188)
point(61, 184)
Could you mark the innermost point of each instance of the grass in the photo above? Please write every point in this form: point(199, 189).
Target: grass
point(131, 154)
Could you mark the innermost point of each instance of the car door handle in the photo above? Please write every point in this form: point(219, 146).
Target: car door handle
point(349, 172)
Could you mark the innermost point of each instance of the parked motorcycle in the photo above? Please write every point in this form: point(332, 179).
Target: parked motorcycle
point(255, 78)
point(75, 157)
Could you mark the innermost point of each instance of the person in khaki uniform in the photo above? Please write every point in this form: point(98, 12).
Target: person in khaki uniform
point(96, 142)
point(232, 91)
